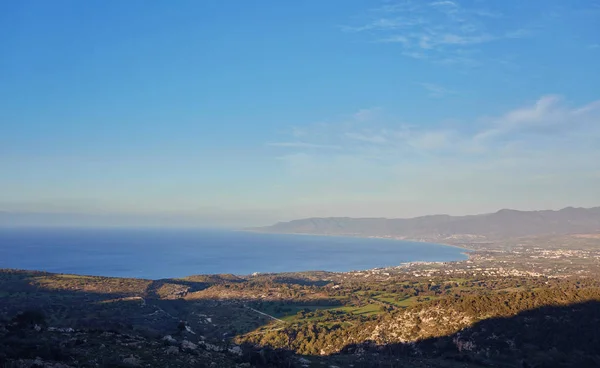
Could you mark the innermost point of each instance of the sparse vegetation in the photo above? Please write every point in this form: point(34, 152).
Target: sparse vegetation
point(422, 315)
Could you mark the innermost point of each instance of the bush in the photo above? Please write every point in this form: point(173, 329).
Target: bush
point(29, 318)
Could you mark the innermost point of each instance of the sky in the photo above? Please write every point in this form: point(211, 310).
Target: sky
point(243, 113)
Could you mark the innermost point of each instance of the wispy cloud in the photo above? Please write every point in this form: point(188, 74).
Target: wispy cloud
point(415, 55)
point(395, 39)
point(436, 90)
point(537, 124)
point(366, 114)
point(548, 144)
point(549, 115)
point(378, 139)
point(438, 31)
point(302, 145)
point(385, 24)
point(449, 4)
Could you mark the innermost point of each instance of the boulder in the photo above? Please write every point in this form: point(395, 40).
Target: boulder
point(169, 339)
point(188, 345)
point(132, 361)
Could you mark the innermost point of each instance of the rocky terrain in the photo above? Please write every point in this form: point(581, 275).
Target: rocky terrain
point(519, 302)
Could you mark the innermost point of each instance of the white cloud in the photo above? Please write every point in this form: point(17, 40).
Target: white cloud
point(589, 108)
point(302, 145)
point(547, 124)
point(451, 4)
point(454, 39)
point(395, 39)
point(549, 115)
point(538, 125)
point(542, 154)
point(415, 55)
point(438, 31)
point(384, 24)
point(542, 111)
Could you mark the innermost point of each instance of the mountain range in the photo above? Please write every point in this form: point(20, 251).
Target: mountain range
point(505, 223)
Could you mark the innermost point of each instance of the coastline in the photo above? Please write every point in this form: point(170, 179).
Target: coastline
point(361, 237)
point(467, 252)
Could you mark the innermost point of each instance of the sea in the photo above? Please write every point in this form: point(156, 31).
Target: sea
point(171, 253)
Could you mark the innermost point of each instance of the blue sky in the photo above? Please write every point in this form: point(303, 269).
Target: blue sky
point(236, 112)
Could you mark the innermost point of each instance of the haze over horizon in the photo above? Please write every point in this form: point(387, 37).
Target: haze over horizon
point(239, 114)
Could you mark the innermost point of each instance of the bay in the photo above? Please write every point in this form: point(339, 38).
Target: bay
point(169, 253)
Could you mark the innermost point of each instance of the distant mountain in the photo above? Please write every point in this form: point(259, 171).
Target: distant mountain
point(502, 224)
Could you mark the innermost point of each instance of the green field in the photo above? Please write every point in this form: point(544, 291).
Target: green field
point(366, 310)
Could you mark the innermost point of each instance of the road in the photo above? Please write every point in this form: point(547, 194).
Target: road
point(264, 314)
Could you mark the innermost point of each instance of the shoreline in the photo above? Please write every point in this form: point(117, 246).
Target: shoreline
point(468, 252)
point(360, 237)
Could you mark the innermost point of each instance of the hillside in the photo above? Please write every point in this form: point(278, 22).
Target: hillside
point(505, 223)
point(363, 319)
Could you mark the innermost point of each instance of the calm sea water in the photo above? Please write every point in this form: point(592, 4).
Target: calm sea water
point(166, 253)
